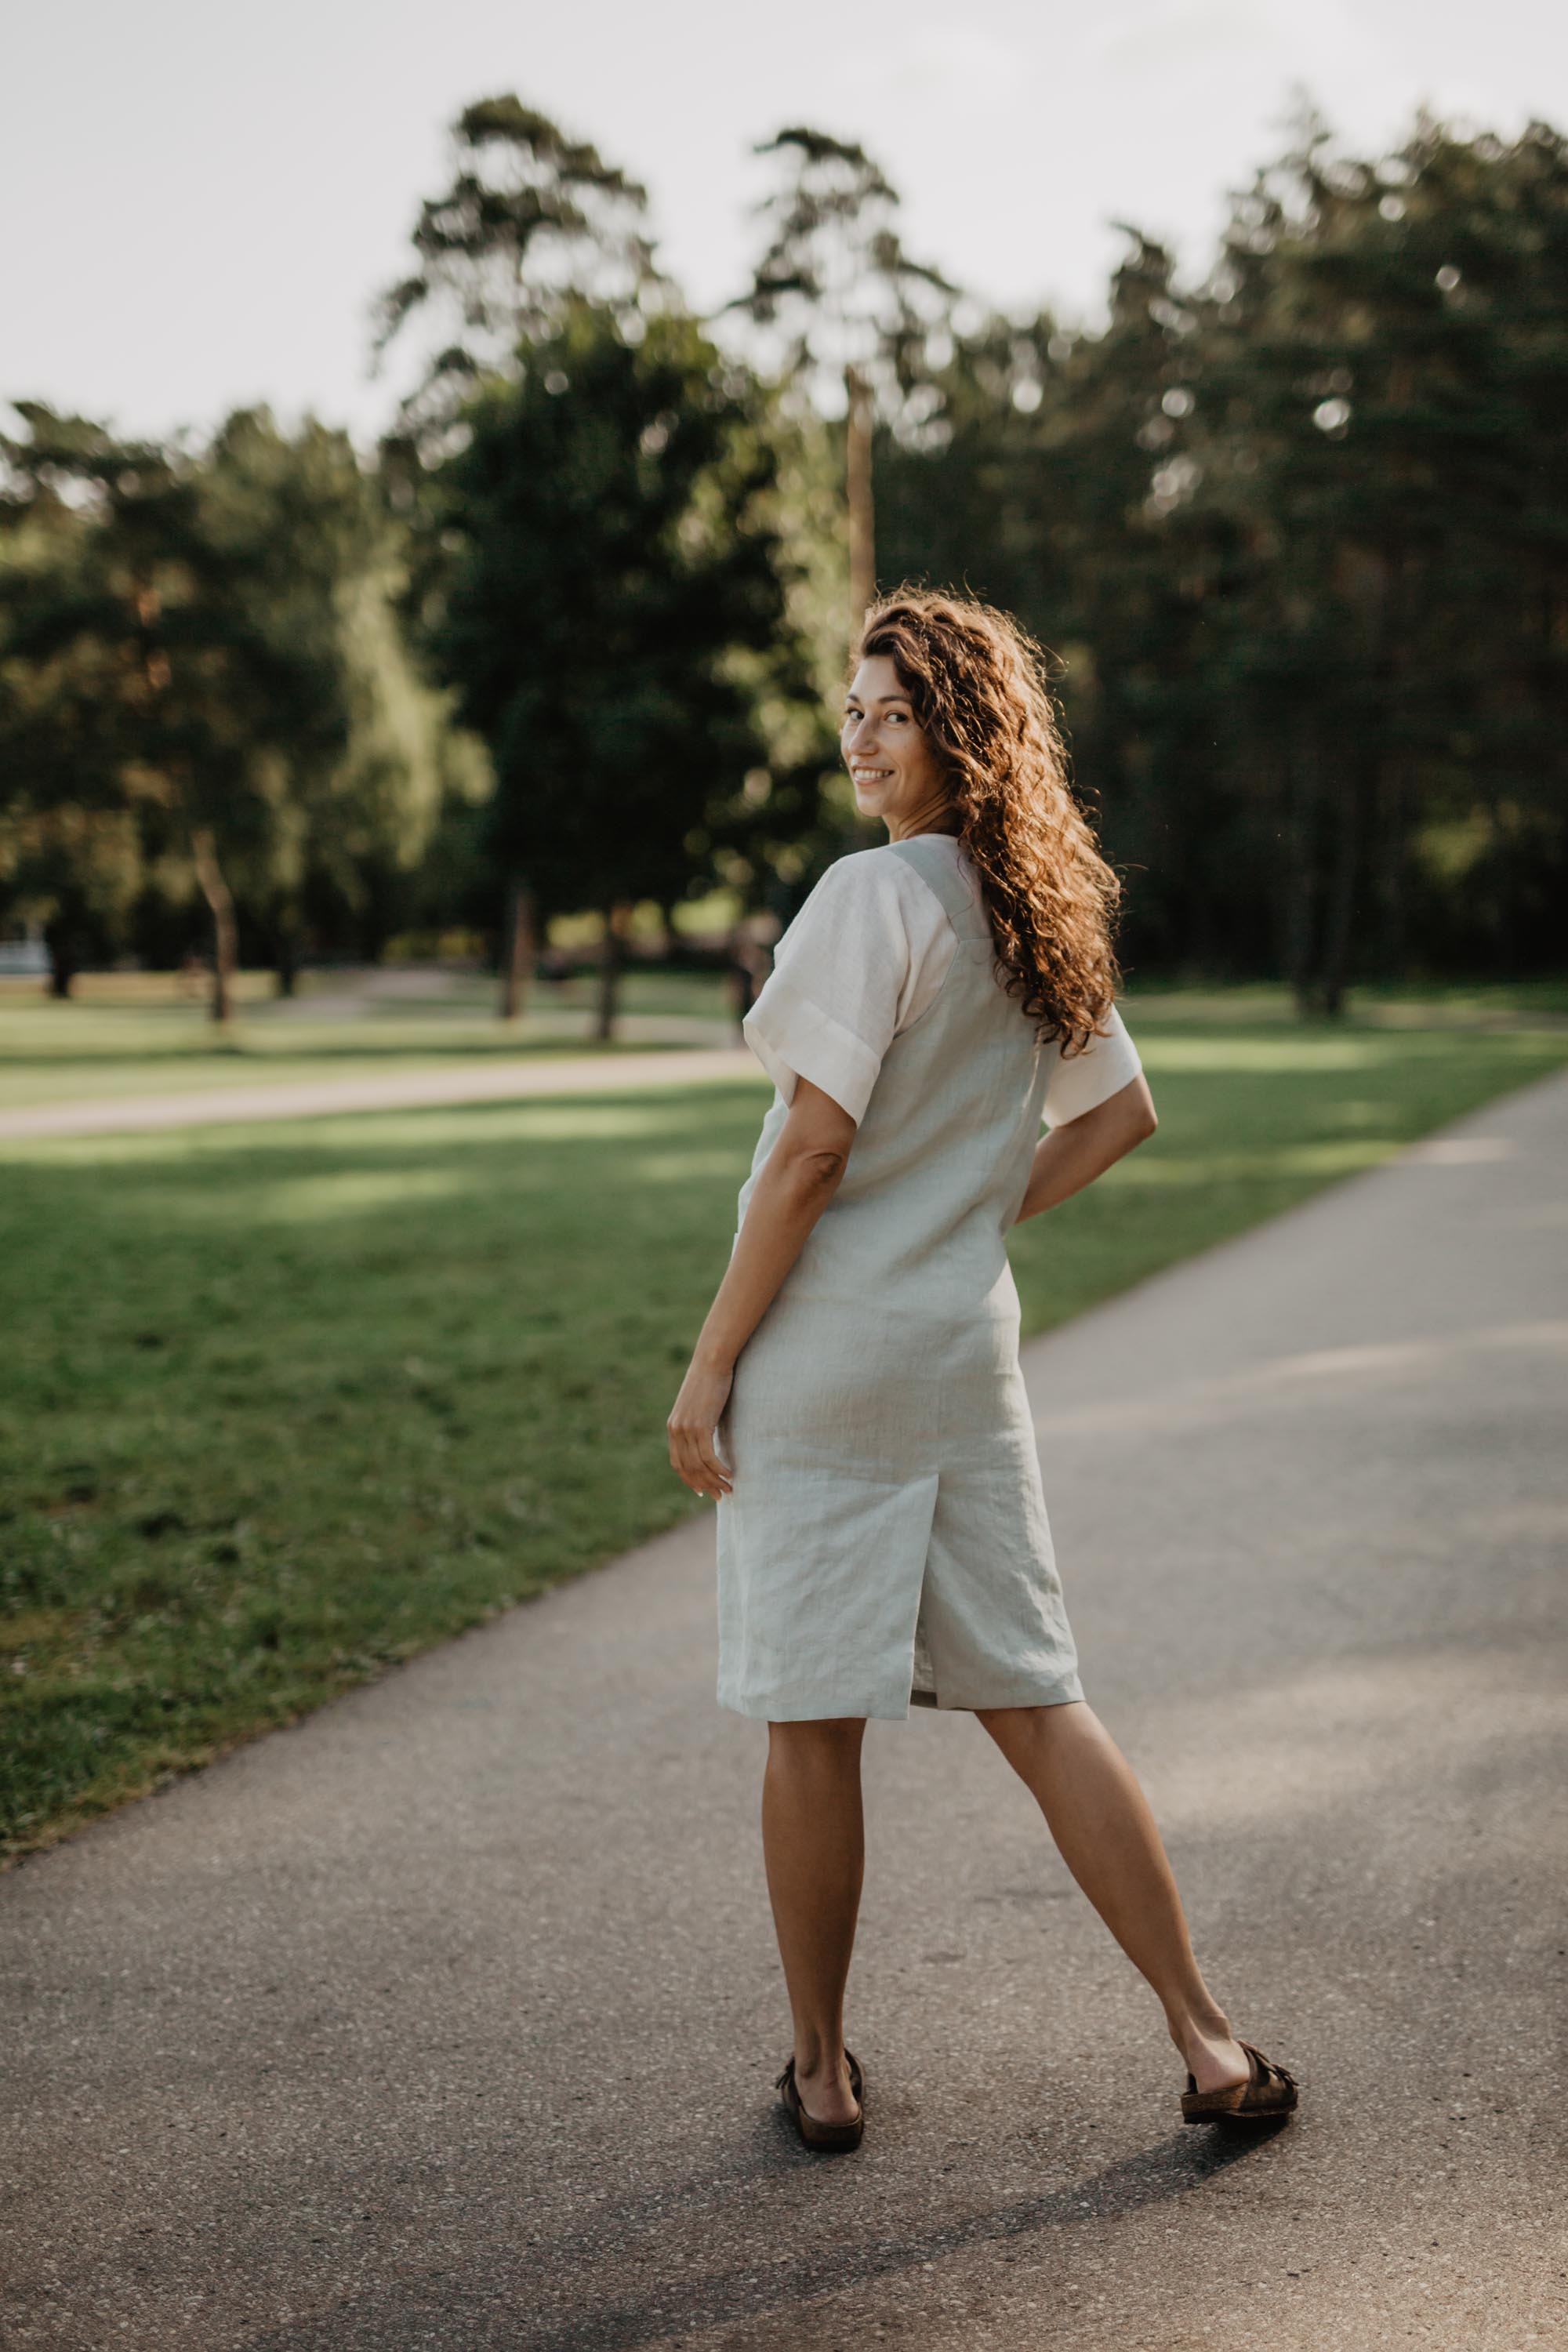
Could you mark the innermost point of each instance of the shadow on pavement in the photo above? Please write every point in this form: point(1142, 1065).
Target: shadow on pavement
point(536, 2299)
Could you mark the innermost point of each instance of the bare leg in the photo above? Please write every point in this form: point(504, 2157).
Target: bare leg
point(1105, 1832)
point(815, 1848)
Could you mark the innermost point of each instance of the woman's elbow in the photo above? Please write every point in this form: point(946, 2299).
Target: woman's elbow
point(823, 1167)
point(814, 1167)
point(1138, 1110)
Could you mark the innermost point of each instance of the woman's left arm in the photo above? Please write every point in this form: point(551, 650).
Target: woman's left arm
point(794, 1184)
point(1073, 1154)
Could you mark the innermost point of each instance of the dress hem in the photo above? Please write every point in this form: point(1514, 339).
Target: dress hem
point(1063, 1692)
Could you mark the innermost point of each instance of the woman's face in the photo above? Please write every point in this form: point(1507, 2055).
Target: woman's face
point(891, 765)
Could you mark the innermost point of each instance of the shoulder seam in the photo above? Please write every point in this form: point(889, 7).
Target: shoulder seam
point(905, 866)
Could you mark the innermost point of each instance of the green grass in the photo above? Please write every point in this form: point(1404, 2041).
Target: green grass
point(288, 1402)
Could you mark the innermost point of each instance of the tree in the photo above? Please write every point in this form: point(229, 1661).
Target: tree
point(532, 223)
point(1374, 425)
point(361, 753)
point(71, 855)
point(610, 564)
point(131, 611)
point(855, 310)
point(205, 669)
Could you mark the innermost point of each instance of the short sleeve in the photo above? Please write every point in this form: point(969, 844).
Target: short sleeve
point(1086, 1080)
point(859, 962)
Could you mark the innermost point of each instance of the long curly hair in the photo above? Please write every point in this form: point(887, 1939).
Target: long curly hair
point(978, 685)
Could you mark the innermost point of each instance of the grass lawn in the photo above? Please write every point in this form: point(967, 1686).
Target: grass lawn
point(286, 1403)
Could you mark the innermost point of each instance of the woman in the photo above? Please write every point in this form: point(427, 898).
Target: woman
point(855, 1405)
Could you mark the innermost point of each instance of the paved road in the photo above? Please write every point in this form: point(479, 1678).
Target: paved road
point(456, 1082)
point(447, 2018)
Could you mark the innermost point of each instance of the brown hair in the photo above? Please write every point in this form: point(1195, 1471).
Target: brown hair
point(978, 685)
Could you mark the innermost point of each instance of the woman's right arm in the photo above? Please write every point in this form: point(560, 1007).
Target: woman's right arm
point(794, 1184)
point(1074, 1153)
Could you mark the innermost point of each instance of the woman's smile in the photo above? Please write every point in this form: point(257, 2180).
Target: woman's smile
point(889, 759)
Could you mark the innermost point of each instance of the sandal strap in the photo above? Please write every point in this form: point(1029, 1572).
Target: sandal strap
point(787, 2084)
point(1267, 2070)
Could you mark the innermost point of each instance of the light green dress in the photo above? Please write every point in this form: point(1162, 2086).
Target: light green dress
point(886, 1538)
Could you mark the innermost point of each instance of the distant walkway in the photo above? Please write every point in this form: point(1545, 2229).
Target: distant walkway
point(469, 1082)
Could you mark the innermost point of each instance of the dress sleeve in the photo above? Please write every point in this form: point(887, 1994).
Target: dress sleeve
point(1091, 1078)
point(861, 960)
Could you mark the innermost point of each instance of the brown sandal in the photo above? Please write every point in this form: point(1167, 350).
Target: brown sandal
point(826, 2137)
point(1268, 2091)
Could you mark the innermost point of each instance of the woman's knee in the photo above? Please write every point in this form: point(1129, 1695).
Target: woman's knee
point(826, 1743)
point(1019, 1730)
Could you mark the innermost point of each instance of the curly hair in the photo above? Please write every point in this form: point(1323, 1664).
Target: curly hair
point(978, 685)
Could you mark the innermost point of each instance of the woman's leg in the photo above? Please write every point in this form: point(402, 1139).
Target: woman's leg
point(1102, 1822)
point(815, 1848)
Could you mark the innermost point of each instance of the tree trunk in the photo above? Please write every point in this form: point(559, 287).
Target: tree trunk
point(62, 959)
point(226, 932)
point(286, 960)
point(1340, 905)
point(610, 971)
point(857, 487)
point(1300, 904)
point(1388, 871)
point(517, 950)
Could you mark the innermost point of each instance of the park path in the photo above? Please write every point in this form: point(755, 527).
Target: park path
point(464, 1082)
point(447, 2017)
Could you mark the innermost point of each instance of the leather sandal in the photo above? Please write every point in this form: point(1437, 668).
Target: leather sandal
point(1268, 2091)
point(827, 2138)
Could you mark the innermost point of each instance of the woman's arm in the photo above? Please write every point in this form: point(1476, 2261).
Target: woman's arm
point(1081, 1148)
point(797, 1182)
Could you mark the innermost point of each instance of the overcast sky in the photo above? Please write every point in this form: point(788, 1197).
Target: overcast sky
point(200, 198)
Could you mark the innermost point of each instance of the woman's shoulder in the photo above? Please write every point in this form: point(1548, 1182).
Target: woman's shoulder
point(880, 873)
point(867, 902)
point(860, 867)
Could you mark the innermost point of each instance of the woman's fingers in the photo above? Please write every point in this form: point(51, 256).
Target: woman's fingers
point(694, 1459)
point(701, 1469)
point(693, 1430)
point(713, 1467)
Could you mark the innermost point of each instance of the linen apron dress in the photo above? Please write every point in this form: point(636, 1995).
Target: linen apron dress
point(886, 1539)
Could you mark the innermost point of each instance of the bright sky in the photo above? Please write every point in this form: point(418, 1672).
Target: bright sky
point(200, 196)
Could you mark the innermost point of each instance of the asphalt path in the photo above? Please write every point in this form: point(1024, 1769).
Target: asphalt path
point(458, 1081)
point(448, 2017)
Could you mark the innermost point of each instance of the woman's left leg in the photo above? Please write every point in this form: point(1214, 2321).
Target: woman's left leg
point(815, 1848)
point(1103, 1828)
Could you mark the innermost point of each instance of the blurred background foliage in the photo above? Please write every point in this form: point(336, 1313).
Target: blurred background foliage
point(567, 641)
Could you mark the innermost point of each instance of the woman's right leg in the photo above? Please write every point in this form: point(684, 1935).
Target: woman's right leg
point(815, 1849)
point(1105, 1834)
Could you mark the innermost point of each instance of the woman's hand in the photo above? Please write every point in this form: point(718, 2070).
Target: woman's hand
point(693, 1423)
point(1073, 1154)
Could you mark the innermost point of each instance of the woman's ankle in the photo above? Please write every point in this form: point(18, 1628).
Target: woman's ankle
point(818, 2054)
point(1203, 2022)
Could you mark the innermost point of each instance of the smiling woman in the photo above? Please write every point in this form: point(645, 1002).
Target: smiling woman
point(854, 1403)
